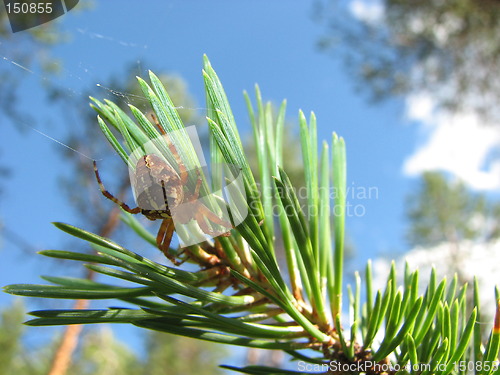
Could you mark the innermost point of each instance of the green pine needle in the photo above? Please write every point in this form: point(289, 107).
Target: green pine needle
point(237, 290)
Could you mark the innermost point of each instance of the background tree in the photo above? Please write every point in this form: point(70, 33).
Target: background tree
point(448, 48)
point(30, 50)
point(11, 330)
point(179, 356)
point(101, 353)
point(18, 355)
point(445, 211)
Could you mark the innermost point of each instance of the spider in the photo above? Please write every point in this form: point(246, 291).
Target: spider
point(160, 190)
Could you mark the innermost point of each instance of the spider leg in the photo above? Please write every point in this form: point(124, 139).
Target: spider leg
point(164, 238)
point(204, 213)
point(199, 181)
point(200, 220)
point(111, 197)
point(213, 217)
point(157, 123)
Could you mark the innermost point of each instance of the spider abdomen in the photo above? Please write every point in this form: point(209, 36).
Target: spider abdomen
point(158, 188)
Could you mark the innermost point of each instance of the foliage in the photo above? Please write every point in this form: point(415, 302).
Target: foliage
point(446, 211)
point(86, 138)
point(180, 356)
point(448, 48)
point(101, 353)
point(234, 292)
point(11, 331)
point(28, 50)
point(292, 158)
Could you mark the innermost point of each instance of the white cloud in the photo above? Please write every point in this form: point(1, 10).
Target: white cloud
point(371, 12)
point(456, 143)
point(420, 107)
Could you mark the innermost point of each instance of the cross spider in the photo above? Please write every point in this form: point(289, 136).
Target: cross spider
point(159, 193)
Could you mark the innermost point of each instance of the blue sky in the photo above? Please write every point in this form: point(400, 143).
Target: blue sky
point(273, 44)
